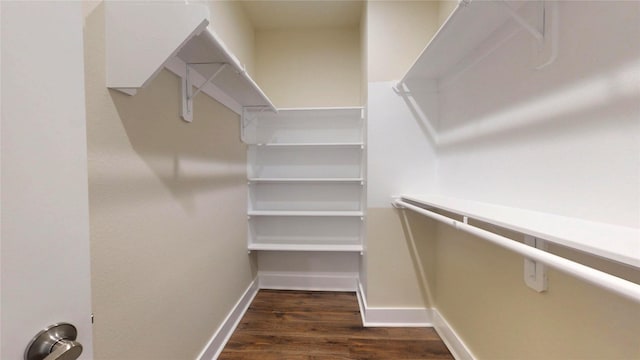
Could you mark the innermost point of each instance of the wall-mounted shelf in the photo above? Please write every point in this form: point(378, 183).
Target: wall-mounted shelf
point(466, 28)
point(618, 243)
point(305, 127)
point(305, 213)
point(306, 179)
point(309, 233)
point(144, 37)
point(305, 162)
point(297, 247)
point(341, 145)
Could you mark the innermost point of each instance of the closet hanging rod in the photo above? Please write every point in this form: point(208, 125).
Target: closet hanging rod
point(595, 277)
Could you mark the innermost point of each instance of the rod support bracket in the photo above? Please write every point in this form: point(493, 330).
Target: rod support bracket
point(535, 273)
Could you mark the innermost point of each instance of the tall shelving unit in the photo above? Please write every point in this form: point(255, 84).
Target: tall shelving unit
point(306, 179)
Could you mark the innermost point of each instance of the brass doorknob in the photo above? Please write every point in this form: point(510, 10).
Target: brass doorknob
point(56, 342)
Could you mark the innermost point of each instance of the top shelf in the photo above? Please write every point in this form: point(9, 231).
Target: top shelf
point(618, 243)
point(471, 22)
point(144, 37)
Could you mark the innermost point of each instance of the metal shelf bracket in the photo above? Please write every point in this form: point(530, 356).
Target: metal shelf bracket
point(535, 273)
point(546, 36)
point(537, 34)
point(249, 116)
point(187, 89)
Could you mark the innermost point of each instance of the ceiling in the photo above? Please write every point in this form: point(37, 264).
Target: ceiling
point(269, 15)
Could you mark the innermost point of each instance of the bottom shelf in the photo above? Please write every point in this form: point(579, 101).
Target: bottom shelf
point(306, 247)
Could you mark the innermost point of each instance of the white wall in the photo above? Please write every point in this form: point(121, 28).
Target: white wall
point(565, 139)
point(401, 149)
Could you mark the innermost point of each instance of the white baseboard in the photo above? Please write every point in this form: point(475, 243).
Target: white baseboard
point(455, 344)
point(307, 281)
point(219, 339)
point(392, 317)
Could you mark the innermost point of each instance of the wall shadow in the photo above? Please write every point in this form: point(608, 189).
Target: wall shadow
point(188, 158)
point(420, 235)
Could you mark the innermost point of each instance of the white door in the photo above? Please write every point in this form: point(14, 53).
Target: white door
point(44, 212)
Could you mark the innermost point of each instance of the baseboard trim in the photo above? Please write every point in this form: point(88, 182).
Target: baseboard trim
point(371, 316)
point(219, 339)
point(307, 281)
point(392, 317)
point(449, 336)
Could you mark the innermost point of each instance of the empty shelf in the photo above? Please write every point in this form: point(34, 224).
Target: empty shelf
point(306, 180)
point(344, 145)
point(304, 247)
point(305, 213)
point(144, 37)
point(618, 243)
point(468, 25)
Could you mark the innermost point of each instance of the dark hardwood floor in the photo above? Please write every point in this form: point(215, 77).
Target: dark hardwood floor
point(295, 325)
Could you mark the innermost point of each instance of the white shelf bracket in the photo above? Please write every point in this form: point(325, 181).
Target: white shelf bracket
point(248, 116)
point(187, 91)
point(546, 36)
point(535, 273)
point(537, 34)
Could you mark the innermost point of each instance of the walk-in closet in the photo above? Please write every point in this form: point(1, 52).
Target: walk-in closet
point(320, 179)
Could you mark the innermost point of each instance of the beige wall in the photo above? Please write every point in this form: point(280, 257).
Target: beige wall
point(397, 33)
point(309, 67)
point(481, 292)
point(400, 266)
point(167, 214)
point(364, 64)
point(230, 22)
point(445, 7)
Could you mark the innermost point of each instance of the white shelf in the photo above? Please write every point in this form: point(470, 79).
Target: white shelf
point(305, 162)
point(306, 180)
point(300, 247)
point(330, 145)
point(305, 127)
point(305, 213)
point(468, 25)
point(144, 37)
point(618, 243)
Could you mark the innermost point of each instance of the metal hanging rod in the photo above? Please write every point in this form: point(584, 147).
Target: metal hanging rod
point(595, 277)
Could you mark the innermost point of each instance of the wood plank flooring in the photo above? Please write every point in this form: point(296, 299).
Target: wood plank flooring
point(297, 325)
